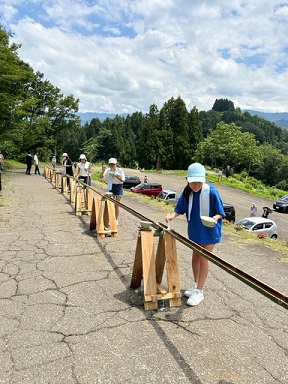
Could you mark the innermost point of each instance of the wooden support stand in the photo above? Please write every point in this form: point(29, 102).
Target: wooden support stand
point(58, 180)
point(103, 217)
point(151, 269)
point(64, 184)
point(72, 190)
point(83, 199)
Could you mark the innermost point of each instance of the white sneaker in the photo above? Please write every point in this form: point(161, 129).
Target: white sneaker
point(190, 290)
point(196, 298)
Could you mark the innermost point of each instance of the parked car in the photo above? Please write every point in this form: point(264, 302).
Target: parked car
point(131, 181)
point(281, 204)
point(168, 196)
point(259, 225)
point(149, 189)
point(229, 212)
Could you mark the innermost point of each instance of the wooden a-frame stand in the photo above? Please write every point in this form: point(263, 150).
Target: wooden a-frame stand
point(103, 217)
point(151, 269)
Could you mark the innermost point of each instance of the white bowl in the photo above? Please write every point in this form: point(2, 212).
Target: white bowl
point(208, 221)
point(112, 173)
point(145, 224)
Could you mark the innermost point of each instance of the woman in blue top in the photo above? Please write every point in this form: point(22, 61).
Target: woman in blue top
point(199, 199)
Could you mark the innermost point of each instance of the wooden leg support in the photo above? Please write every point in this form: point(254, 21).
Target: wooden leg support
point(102, 217)
point(151, 269)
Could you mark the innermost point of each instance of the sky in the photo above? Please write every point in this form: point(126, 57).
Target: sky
point(122, 56)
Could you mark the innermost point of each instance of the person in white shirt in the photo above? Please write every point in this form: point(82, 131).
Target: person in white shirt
point(253, 210)
point(84, 169)
point(115, 177)
point(36, 163)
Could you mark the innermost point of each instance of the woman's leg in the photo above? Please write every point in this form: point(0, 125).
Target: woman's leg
point(118, 198)
point(200, 266)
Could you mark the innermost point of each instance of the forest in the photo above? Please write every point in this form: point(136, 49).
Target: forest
point(36, 116)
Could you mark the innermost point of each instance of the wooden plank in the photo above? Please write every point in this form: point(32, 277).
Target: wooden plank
point(162, 296)
point(137, 272)
point(64, 184)
point(172, 269)
point(78, 200)
point(149, 270)
point(93, 215)
point(99, 218)
point(161, 289)
point(72, 190)
point(112, 218)
point(160, 259)
point(89, 200)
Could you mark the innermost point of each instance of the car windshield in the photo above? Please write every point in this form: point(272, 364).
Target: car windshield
point(245, 223)
point(162, 195)
point(284, 198)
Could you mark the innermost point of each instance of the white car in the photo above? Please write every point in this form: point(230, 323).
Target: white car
point(259, 225)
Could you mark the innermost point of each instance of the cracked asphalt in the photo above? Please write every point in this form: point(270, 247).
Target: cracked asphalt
point(67, 314)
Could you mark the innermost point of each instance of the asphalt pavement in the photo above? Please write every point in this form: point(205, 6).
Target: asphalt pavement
point(67, 314)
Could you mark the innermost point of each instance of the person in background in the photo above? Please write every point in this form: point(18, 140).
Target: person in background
point(220, 174)
point(145, 179)
point(266, 212)
point(36, 163)
point(115, 177)
point(29, 161)
point(253, 210)
point(67, 167)
point(53, 161)
point(84, 169)
point(199, 199)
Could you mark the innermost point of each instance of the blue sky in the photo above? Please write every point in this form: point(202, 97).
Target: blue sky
point(121, 56)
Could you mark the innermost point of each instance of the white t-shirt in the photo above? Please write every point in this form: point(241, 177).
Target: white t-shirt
point(113, 179)
point(84, 168)
point(36, 160)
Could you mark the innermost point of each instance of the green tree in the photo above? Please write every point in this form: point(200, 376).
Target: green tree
point(148, 151)
point(222, 105)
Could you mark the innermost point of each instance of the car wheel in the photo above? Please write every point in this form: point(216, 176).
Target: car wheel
point(274, 237)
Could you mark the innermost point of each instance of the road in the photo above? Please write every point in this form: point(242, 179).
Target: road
point(241, 200)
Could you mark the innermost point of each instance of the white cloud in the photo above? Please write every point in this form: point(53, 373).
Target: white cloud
point(123, 56)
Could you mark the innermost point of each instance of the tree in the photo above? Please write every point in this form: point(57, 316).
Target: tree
point(148, 151)
point(222, 105)
point(227, 147)
point(195, 130)
point(33, 113)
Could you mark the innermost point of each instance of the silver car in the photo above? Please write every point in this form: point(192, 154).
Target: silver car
point(259, 225)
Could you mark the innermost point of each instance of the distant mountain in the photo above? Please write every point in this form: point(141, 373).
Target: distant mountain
point(86, 117)
point(279, 118)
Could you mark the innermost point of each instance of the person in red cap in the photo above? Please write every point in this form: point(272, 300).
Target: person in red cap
point(115, 177)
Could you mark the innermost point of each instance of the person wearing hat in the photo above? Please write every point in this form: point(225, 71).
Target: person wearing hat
point(67, 167)
point(115, 177)
point(84, 169)
point(253, 210)
point(199, 199)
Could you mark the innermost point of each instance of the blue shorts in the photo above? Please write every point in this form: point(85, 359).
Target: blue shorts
point(117, 189)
